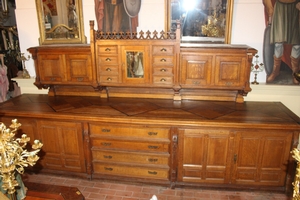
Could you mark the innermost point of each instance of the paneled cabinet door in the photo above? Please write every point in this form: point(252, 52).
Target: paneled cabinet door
point(79, 68)
point(51, 68)
point(196, 70)
point(204, 156)
point(230, 71)
point(262, 158)
point(63, 146)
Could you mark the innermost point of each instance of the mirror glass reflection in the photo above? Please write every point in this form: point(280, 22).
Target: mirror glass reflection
point(135, 67)
point(202, 20)
point(60, 21)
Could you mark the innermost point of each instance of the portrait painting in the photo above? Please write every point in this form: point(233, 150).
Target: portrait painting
point(281, 45)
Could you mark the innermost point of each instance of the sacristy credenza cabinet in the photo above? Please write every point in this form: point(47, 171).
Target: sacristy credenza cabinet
point(145, 108)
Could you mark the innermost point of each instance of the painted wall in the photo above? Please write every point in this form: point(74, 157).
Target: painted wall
point(247, 28)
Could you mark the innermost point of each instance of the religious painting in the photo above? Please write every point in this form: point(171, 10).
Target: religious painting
point(50, 6)
point(281, 46)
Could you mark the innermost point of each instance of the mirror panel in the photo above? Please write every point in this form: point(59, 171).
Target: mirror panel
point(60, 21)
point(135, 66)
point(202, 21)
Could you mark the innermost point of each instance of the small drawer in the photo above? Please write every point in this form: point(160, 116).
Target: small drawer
point(129, 145)
point(107, 50)
point(139, 172)
point(148, 133)
point(130, 157)
point(163, 60)
point(104, 69)
point(163, 80)
point(108, 79)
point(163, 71)
point(163, 49)
point(108, 60)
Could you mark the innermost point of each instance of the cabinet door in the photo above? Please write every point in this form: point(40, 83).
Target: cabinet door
point(63, 145)
point(51, 68)
point(79, 68)
point(196, 70)
point(230, 71)
point(261, 158)
point(204, 156)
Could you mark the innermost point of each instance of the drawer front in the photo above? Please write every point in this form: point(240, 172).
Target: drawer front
point(108, 60)
point(163, 71)
point(150, 133)
point(155, 173)
point(110, 69)
point(163, 60)
point(163, 50)
point(107, 50)
point(109, 79)
point(129, 145)
point(162, 80)
point(130, 157)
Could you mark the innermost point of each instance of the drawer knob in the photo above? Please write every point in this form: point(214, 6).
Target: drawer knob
point(152, 133)
point(163, 80)
point(109, 79)
point(53, 79)
point(79, 79)
point(108, 59)
point(153, 147)
point(108, 69)
point(152, 172)
point(152, 159)
point(108, 168)
point(163, 70)
point(107, 49)
point(163, 60)
point(107, 157)
point(163, 50)
point(106, 144)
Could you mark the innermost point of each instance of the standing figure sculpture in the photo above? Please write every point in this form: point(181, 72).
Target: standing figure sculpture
point(285, 32)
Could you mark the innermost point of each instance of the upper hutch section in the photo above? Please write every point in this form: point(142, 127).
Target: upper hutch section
point(145, 65)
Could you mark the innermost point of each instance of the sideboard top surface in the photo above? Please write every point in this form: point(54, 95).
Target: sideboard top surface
point(151, 111)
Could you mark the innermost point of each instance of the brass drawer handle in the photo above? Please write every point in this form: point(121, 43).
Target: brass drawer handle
point(152, 173)
point(107, 157)
point(163, 80)
point(108, 69)
point(109, 79)
point(163, 70)
point(163, 50)
point(152, 133)
point(53, 79)
point(163, 60)
point(108, 168)
point(108, 59)
point(105, 144)
point(79, 79)
point(105, 130)
point(153, 147)
point(107, 49)
point(152, 159)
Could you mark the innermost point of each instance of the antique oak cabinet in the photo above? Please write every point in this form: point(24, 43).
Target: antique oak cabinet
point(145, 108)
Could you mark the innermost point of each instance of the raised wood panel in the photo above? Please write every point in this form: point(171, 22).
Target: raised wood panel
point(196, 70)
point(51, 68)
point(61, 154)
point(79, 68)
point(230, 71)
point(262, 158)
point(205, 156)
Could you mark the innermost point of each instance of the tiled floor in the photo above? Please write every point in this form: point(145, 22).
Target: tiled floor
point(104, 190)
